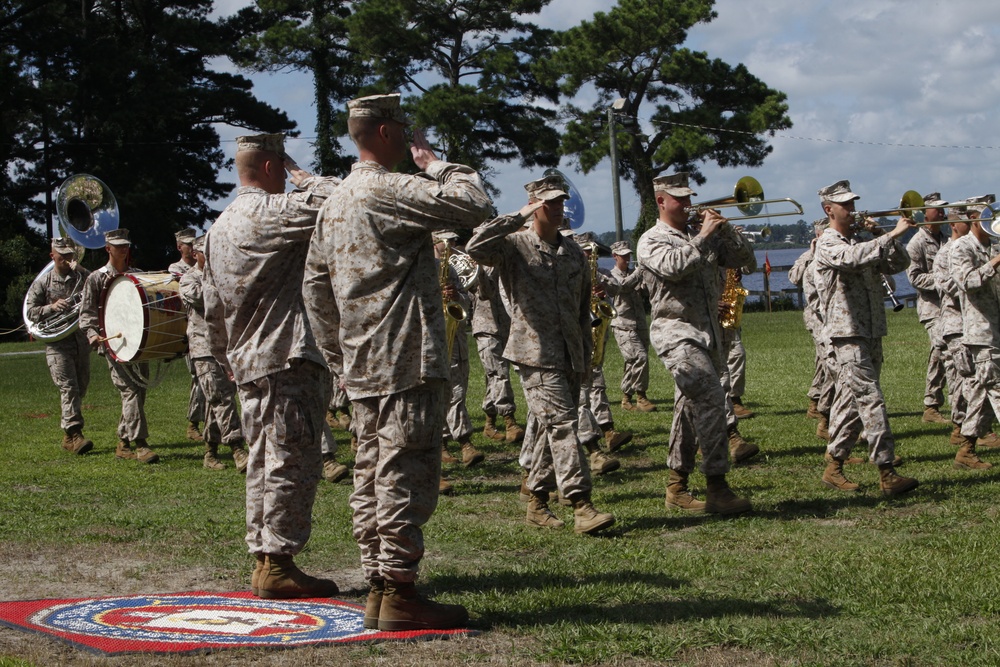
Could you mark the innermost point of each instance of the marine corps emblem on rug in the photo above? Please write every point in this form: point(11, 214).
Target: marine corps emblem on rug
point(198, 623)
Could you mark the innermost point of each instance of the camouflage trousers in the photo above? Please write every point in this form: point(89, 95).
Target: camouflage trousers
point(557, 460)
point(822, 388)
point(397, 472)
point(956, 383)
point(338, 397)
point(982, 391)
point(132, 426)
point(69, 367)
point(635, 352)
point(282, 422)
point(699, 410)
point(457, 424)
point(498, 399)
point(597, 397)
point(196, 397)
point(858, 403)
point(588, 428)
point(934, 387)
point(222, 419)
point(736, 363)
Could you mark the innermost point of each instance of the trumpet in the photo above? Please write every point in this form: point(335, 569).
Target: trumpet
point(748, 197)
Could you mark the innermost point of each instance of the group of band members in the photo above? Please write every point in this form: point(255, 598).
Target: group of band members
point(337, 287)
point(196, 398)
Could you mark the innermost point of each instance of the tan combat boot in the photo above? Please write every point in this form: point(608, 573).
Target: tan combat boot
point(344, 420)
point(144, 453)
point(893, 484)
point(192, 431)
point(376, 589)
point(823, 427)
point(601, 463)
point(643, 403)
point(74, 442)
point(956, 438)
point(719, 498)
point(932, 416)
point(333, 472)
point(812, 412)
point(524, 493)
point(403, 608)
point(627, 403)
point(740, 410)
point(490, 430)
point(281, 579)
point(967, 459)
point(739, 449)
point(445, 488)
point(211, 460)
point(833, 475)
point(615, 440)
point(446, 456)
point(678, 496)
point(331, 418)
point(989, 441)
point(124, 450)
point(513, 433)
point(240, 457)
point(586, 519)
point(539, 514)
point(470, 455)
point(258, 567)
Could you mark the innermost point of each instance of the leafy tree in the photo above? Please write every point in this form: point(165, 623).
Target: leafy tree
point(123, 91)
point(701, 109)
point(469, 63)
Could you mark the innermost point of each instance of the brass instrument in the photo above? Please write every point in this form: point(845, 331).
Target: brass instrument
point(733, 296)
point(748, 197)
point(56, 326)
point(454, 312)
point(601, 311)
point(466, 268)
point(896, 305)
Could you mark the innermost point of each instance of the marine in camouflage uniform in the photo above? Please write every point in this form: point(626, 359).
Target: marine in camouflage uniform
point(547, 279)
point(683, 262)
point(374, 297)
point(630, 328)
point(922, 249)
point(132, 427)
point(258, 330)
point(68, 359)
point(949, 326)
point(222, 420)
point(196, 397)
point(851, 300)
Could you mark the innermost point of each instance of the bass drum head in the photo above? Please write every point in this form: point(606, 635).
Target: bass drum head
point(125, 313)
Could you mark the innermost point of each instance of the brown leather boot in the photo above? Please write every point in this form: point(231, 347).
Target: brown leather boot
point(446, 456)
point(740, 410)
point(255, 576)
point(601, 463)
point(470, 455)
point(539, 514)
point(586, 519)
point(823, 427)
point(331, 418)
point(445, 488)
point(893, 484)
point(281, 579)
point(812, 412)
point(376, 589)
point(524, 493)
point(967, 459)
point(73, 441)
point(678, 496)
point(513, 433)
point(615, 440)
point(240, 457)
point(833, 475)
point(124, 450)
point(192, 431)
point(403, 608)
point(627, 403)
point(989, 441)
point(333, 472)
point(720, 499)
point(739, 449)
point(490, 430)
point(344, 420)
point(144, 453)
point(211, 460)
point(956, 438)
point(932, 416)
point(643, 403)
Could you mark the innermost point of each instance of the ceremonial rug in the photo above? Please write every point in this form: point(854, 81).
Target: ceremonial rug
point(199, 623)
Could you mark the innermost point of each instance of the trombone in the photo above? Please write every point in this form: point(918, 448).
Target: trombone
point(912, 202)
point(748, 197)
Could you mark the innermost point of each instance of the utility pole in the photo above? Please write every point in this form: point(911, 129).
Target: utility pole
point(619, 106)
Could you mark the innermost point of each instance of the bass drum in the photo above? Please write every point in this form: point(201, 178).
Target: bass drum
point(142, 318)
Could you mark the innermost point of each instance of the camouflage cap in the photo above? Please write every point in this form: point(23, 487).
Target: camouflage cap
point(675, 185)
point(117, 237)
point(620, 248)
point(274, 143)
point(586, 240)
point(186, 235)
point(839, 193)
point(198, 245)
point(934, 199)
point(821, 224)
point(64, 245)
point(444, 235)
point(378, 106)
point(547, 188)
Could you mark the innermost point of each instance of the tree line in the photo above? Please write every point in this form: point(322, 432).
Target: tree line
point(133, 93)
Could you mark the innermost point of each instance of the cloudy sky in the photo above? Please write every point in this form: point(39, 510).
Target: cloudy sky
point(893, 95)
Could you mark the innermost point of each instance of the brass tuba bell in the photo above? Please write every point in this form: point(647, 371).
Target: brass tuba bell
point(86, 209)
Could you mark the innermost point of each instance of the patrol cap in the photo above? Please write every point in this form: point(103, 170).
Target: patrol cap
point(273, 143)
point(839, 193)
point(586, 240)
point(198, 245)
point(620, 248)
point(444, 235)
point(377, 106)
point(186, 235)
point(117, 237)
point(675, 185)
point(821, 224)
point(63, 245)
point(548, 188)
point(934, 199)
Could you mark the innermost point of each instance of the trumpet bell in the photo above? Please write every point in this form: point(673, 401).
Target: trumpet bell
point(988, 220)
point(913, 200)
point(87, 209)
point(749, 196)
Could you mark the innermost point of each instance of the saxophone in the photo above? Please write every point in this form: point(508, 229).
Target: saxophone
point(602, 312)
point(454, 313)
point(733, 296)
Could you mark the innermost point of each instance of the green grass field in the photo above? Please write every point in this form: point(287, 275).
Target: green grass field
point(811, 577)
